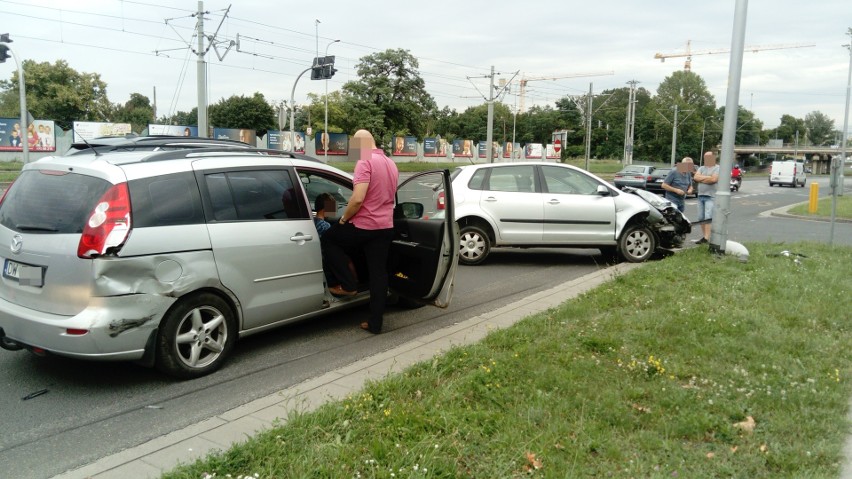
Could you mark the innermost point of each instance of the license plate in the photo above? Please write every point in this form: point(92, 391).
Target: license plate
point(25, 274)
point(660, 180)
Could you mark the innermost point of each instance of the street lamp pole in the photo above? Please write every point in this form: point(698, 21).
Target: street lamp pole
point(325, 130)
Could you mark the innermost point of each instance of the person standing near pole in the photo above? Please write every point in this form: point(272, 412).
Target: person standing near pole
point(365, 225)
point(678, 183)
point(707, 176)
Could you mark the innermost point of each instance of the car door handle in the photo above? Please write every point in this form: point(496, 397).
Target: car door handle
point(554, 201)
point(491, 199)
point(301, 238)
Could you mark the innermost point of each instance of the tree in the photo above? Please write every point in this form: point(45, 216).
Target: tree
point(789, 126)
point(137, 111)
point(389, 98)
point(57, 92)
point(688, 91)
point(317, 111)
point(250, 112)
point(180, 118)
point(820, 128)
point(748, 126)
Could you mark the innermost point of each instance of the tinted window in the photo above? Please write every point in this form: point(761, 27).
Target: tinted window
point(51, 203)
point(166, 200)
point(318, 182)
point(255, 195)
point(568, 181)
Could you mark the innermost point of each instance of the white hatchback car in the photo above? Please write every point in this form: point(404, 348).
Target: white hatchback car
point(555, 205)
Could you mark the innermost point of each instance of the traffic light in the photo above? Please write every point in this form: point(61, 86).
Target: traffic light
point(4, 38)
point(316, 72)
point(328, 71)
point(4, 52)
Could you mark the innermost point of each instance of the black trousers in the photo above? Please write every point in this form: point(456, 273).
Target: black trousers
point(342, 242)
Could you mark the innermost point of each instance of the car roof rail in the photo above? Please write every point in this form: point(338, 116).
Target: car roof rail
point(204, 152)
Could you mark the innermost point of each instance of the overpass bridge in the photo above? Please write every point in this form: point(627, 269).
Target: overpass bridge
point(817, 157)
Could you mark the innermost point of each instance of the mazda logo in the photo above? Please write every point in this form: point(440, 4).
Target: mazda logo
point(17, 243)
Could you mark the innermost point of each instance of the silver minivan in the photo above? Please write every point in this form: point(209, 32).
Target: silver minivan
point(166, 258)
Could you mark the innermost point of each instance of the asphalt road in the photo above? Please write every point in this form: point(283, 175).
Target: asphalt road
point(90, 410)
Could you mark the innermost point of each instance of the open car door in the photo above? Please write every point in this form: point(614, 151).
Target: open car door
point(424, 253)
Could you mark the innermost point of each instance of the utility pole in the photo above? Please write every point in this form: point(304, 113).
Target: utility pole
point(201, 73)
point(674, 136)
point(490, 101)
point(630, 124)
point(5, 49)
point(838, 164)
point(722, 205)
point(489, 136)
point(589, 127)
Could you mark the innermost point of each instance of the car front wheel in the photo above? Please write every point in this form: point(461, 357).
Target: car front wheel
point(637, 244)
point(474, 245)
point(196, 336)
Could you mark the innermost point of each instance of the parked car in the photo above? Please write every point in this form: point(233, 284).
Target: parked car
point(166, 258)
point(133, 142)
point(787, 172)
point(658, 176)
point(636, 176)
point(555, 205)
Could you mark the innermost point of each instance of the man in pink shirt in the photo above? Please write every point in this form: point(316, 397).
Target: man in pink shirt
point(367, 225)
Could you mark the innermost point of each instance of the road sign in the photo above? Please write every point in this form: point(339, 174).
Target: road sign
point(557, 145)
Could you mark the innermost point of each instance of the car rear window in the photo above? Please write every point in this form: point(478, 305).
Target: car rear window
point(50, 202)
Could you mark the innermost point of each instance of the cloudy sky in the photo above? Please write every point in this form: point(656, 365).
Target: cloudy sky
point(140, 46)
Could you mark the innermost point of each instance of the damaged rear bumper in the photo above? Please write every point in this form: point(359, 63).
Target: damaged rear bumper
point(105, 337)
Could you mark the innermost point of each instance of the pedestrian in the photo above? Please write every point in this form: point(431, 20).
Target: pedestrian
point(366, 225)
point(707, 176)
point(678, 183)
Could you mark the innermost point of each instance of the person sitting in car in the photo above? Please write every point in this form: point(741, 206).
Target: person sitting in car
point(323, 203)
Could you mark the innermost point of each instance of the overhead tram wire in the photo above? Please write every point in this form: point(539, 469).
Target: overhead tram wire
point(424, 74)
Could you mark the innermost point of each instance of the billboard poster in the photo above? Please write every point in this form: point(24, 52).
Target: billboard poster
point(533, 150)
point(510, 148)
point(238, 134)
point(280, 140)
point(434, 147)
point(40, 135)
point(551, 153)
point(405, 146)
point(92, 129)
point(463, 148)
point(495, 149)
point(333, 143)
point(172, 130)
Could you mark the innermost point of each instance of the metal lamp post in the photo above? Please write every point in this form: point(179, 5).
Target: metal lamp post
point(325, 129)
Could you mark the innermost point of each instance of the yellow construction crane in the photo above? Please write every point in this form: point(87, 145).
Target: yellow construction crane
point(525, 80)
point(755, 48)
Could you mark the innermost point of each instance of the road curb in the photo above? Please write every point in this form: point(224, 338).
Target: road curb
point(152, 458)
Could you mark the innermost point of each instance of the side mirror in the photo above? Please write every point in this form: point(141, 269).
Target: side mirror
point(603, 191)
point(409, 210)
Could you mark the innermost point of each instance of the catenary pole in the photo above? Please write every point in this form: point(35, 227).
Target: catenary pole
point(589, 127)
point(201, 75)
point(838, 164)
point(22, 90)
point(721, 208)
point(489, 137)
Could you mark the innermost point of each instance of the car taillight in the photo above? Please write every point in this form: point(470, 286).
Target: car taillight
point(442, 201)
point(108, 223)
point(5, 193)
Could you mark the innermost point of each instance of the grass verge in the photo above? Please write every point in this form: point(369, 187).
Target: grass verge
point(746, 374)
point(844, 208)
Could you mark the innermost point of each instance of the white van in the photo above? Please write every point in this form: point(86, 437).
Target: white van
point(787, 172)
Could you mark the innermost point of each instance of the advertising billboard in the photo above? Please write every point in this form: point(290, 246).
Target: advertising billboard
point(335, 143)
point(533, 150)
point(280, 140)
point(238, 134)
point(405, 146)
point(434, 147)
point(172, 130)
point(40, 135)
point(463, 148)
point(92, 129)
point(510, 149)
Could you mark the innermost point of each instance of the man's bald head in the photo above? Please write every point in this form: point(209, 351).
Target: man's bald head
point(364, 139)
point(709, 158)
